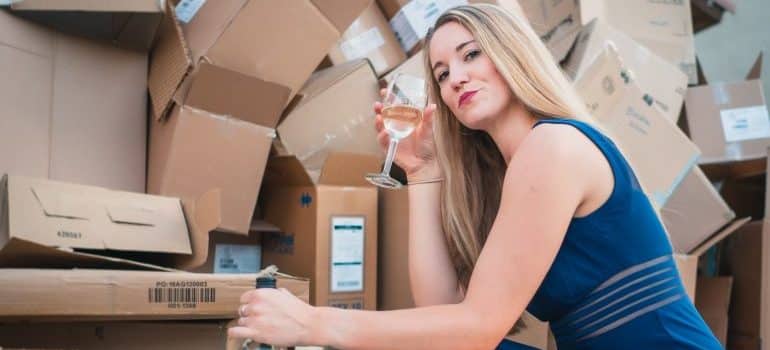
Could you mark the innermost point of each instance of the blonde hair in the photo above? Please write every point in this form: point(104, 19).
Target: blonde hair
point(470, 195)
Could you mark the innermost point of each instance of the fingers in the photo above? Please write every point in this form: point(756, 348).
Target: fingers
point(427, 114)
point(383, 92)
point(377, 107)
point(241, 332)
point(383, 139)
point(378, 123)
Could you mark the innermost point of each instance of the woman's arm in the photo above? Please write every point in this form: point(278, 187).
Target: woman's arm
point(431, 273)
point(544, 184)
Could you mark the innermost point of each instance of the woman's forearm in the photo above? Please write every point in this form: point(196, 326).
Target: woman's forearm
point(456, 326)
point(433, 279)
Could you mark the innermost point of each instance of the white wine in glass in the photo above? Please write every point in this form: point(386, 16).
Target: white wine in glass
point(401, 114)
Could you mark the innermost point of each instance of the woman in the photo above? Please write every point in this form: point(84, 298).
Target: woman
point(512, 208)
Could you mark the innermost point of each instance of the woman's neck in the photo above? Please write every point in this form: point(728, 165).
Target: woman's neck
point(510, 129)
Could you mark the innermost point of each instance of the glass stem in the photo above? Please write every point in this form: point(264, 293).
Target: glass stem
point(389, 159)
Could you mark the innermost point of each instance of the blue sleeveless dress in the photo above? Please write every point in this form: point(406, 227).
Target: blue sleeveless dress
point(614, 283)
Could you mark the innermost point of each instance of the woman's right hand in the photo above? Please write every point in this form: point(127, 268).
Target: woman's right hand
point(416, 154)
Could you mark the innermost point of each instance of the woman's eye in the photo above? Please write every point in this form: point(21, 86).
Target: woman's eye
point(472, 54)
point(442, 76)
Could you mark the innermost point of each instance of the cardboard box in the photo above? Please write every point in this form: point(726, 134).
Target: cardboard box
point(63, 216)
point(543, 15)
point(694, 212)
point(390, 7)
point(369, 37)
point(128, 24)
point(414, 66)
point(236, 253)
point(334, 114)
point(73, 110)
point(279, 42)
point(657, 77)
point(561, 40)
point(665, 27)
point(640, 130)
point(84, 294)
point(687, 264)
point(413, 20)
point(328, 227)
point(729, 121)
point(743, 259)
point(217, 138)
point(713, 302)
point(393, 285)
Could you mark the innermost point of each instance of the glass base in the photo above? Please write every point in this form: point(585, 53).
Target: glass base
point(384, 181)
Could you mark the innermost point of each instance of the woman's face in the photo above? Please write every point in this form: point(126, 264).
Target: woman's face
point(469, 82)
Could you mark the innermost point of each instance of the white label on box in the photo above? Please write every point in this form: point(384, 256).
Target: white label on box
point(748, 123)
point(362, 44)
point(347, 254)
point(412, 22)
point(186, 9)
point(237, 258)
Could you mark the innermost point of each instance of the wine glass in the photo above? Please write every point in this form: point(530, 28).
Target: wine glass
point(401, 113)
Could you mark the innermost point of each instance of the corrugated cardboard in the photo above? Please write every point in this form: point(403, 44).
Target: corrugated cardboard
point(391, 7)
point(694, 212)
point(665, 27)
point(279, 42)
point(660, 154)
point(369, 36)
point(126, 295)
point(413, 20)
point(394, 288)
point(743, 260)
point(713, 302)
point(334, 115)
point(561, 40)
point(413, 66)
point(687, 264)
point(176, 335)
point(328, 228)
point(73, 110)
point(729, 121)
point(236, 253)
point(68, 216)
point(657, 77)
point(217, 139)
point(128, 24)
point(543, 15)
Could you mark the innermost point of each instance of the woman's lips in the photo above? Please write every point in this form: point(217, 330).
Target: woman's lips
point(466, 97)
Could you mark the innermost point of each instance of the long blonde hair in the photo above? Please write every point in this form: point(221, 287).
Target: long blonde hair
point(471, 163)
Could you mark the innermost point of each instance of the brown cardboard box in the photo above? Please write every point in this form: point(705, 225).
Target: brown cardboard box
point(128, 24)
point(561, 40)
point(713, 302)
point(279, 42)
point(217, 138)
point(656, 76)
point(63, 216)
point(394, 289)
point(334, 114)
point(665, 27)
point(83, 294)
point(640, 130)
point(176, 335)
point(73, 109)
point(369, 37)
point(694, 212)
point(543, 15)
point(706, 13)
point(729, 121)
point(413, 66)
point(329, 227)
point(412, 21)
point(743, 259)
point(391, 7)
point(687, 264)
point(236, 253)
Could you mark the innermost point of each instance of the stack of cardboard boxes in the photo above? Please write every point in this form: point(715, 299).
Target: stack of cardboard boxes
point(161, 155)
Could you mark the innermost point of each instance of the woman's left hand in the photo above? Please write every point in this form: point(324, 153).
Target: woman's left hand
point(274, 316)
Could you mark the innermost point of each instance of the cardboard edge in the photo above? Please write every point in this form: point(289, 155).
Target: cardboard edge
point(4, 215)
point(719, 236)
point(165, 73)
point(203, 216)
point(756, 69)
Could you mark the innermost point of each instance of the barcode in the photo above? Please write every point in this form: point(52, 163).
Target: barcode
point(182, 295)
